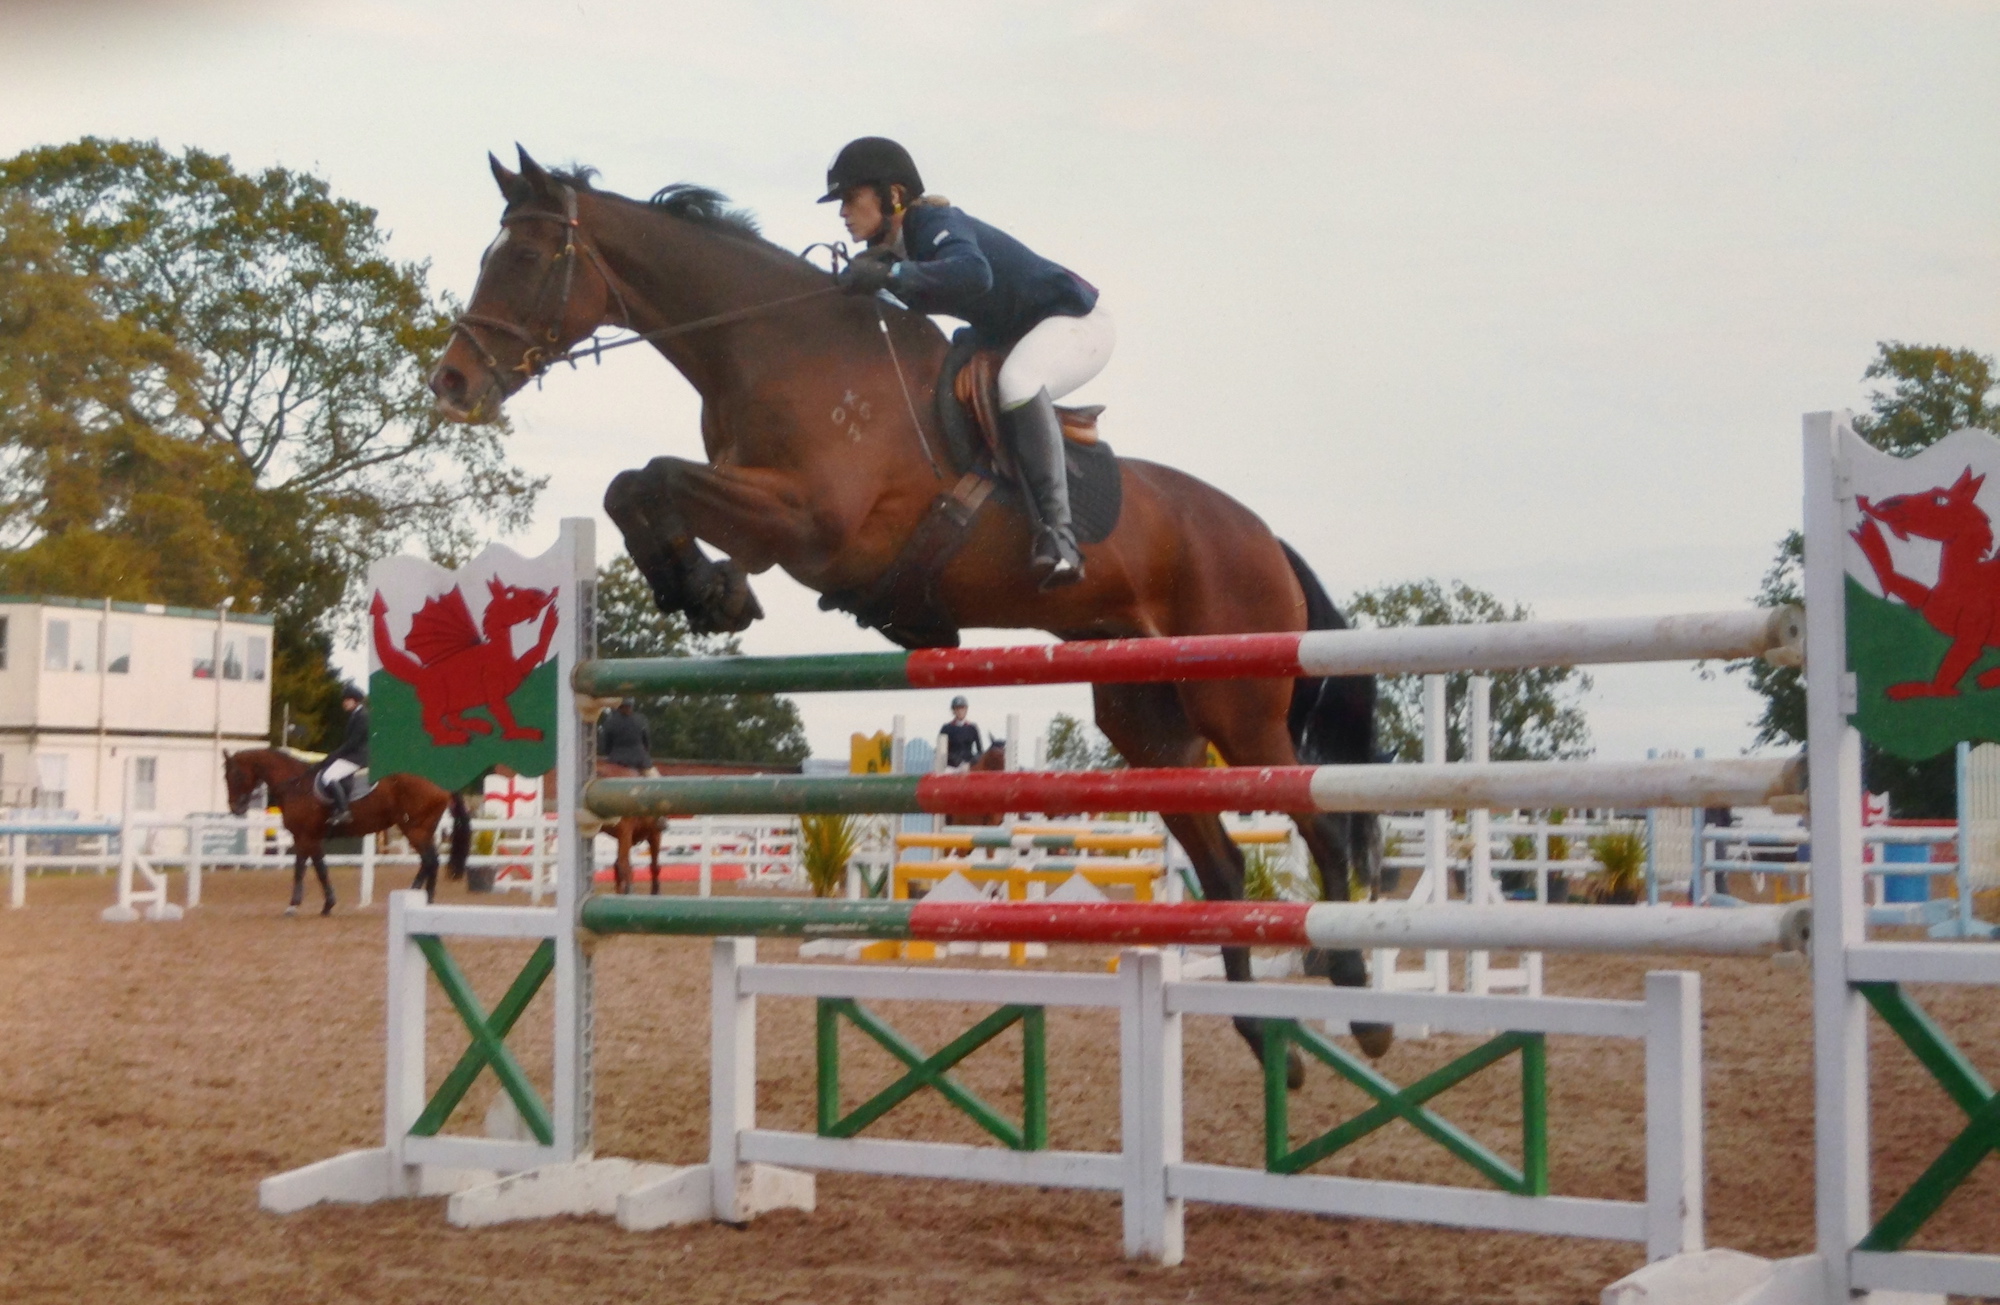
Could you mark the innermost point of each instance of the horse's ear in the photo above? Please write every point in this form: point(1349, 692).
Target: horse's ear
point(512, 188)
point(534, 174)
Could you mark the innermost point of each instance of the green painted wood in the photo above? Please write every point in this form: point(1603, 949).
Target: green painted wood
point(1966, 1087)
point(1034, 1078)
point(932, 1072)
point(825, 673)
point(1392, 1103)
point(488, 1034)
point(713, 795)
point(1535, 1114)
point(826, 1045)
point(723, 917)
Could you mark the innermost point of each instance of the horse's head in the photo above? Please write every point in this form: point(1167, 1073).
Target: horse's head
point(531, 302)
point(509, 605)
point(242, 779)
point(1944, 513)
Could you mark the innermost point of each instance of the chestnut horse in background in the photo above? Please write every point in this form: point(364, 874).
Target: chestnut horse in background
point(994, 758)
point(410, 803)
point(628, 831)
point(820, 428)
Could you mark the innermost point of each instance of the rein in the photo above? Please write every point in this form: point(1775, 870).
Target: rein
point(536, 360)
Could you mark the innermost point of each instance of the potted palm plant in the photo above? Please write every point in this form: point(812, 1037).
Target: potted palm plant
point(826, 845)
point(1621, 866)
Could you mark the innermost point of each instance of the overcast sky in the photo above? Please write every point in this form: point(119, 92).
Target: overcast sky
point(1530, 295)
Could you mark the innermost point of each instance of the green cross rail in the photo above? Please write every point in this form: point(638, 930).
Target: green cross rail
point(1965, 1086)
point(931, 1071)
point(1393, 1103)
point(489, 1034)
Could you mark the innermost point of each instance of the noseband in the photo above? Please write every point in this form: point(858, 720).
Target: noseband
point(540, 353)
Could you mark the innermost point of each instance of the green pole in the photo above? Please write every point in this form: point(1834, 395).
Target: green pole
point(827, 673)
point(721, 795)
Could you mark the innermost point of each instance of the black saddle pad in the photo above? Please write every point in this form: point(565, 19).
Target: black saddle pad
point(1096, 485)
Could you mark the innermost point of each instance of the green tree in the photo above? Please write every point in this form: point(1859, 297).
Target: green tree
point(1076, 745)
point(1931, 391)
point(94, 499)
point(704, 727)
point(1537, 714)
point(310, 347)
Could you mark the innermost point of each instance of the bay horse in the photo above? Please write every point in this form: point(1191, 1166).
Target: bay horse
point(819, 422)
point(994, 758)
point(410, 803)
point(630, 831)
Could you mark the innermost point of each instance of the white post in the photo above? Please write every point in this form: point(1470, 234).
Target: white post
point(194, 866)
point(1150, 1084)
point(732, 1071)
point(1013, 741)
point(1480, 890)
point(896, 741)
point(368, 869)
point(1840, 1028)
point(17, 851)
point(575, 1085)
point(707, 862)
point(1676, 1181)
point(403, 1062)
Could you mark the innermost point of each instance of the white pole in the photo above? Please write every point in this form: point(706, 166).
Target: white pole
point(1840, 1026)
point(1013, 761)
point(1480, 889)
point(368, 869)
point(707, 862)
point(575, 1084)
point(1676, 1185)
point(17, 851)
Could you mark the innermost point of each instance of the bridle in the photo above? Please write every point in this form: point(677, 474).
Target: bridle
point(537, 357)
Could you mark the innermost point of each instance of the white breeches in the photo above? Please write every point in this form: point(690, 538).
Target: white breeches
point(1059, 355)
point(338, 770)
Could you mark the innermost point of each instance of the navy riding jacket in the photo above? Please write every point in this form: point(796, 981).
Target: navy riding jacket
point(354, 743)
point(625, 740)
point(962, 267)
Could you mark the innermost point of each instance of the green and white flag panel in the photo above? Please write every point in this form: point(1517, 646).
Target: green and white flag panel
point(1923, 592)
point(462, 665)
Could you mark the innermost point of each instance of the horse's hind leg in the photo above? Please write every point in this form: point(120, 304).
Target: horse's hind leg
point(1146, 724)
point(1246, 719)
point(298, 882)
point(653, 845)
point(325, 883)
point(427, 867)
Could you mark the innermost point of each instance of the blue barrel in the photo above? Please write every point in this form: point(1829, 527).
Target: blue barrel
point(1906, 888)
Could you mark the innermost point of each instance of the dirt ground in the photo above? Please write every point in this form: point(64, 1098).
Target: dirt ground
point(150, 1075)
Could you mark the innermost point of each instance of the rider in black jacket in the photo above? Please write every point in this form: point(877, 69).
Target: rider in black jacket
point(350, 756)
point(938, 259)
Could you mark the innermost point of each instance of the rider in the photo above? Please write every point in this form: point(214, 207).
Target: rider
point(624, 739)
point(959, 741)
point(350, 756)
point(936, 259)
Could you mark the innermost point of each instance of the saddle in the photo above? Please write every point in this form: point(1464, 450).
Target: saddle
point(902, 602)
point(358, 786)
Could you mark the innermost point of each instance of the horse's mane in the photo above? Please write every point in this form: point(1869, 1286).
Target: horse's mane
point(701, 205)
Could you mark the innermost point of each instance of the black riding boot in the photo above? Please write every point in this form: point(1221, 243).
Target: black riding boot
point(1036, 434)
point(336, 796)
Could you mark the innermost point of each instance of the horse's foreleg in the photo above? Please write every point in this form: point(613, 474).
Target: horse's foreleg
point(325, 883)
point(621, 864)
point(653, 842)
point(646, 506)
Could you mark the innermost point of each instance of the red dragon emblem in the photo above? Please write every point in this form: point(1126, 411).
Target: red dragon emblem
point(455, 666)
point(1964, 604)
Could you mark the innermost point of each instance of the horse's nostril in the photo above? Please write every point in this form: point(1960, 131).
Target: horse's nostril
point(448, 383)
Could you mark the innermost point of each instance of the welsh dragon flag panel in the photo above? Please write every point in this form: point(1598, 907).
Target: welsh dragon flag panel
point(462, 665)
point(1923, 593)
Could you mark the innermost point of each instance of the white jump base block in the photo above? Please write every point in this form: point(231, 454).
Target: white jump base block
point(1722, 1277)
point(640, 1196)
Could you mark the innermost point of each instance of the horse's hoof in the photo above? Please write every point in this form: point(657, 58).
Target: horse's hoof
point(328, 908)
point(1374, 1039)
point(291, 910)
point(725, 604)
point(1295, 1069)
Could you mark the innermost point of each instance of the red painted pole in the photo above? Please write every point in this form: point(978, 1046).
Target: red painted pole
point(1129, 924)
point(1110, 661)
point(1263, 788)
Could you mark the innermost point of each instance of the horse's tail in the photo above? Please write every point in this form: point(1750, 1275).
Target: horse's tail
point(1332, 719)
point(461, 835)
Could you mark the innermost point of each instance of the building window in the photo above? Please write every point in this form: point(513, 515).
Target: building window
point(55, 648)
point(204, 654)
point(83, 646)
point(117, 648)
point(51, 780)
point(145, 783)
point(232, 660)
point(258, 656)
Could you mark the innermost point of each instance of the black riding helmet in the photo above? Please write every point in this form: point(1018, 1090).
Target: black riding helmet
point(875, 159)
